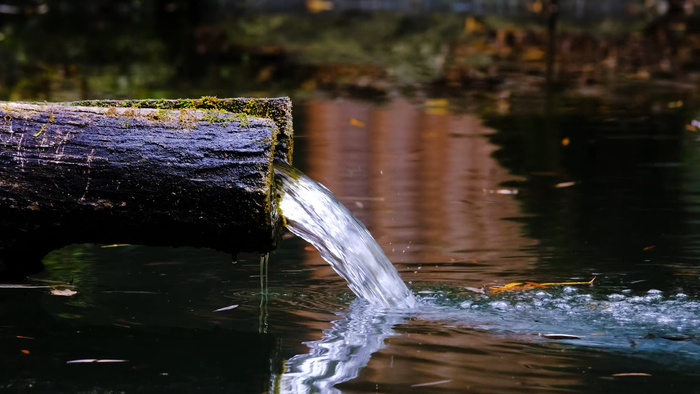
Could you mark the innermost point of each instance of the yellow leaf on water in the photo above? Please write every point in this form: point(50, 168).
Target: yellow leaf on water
point(530, 285)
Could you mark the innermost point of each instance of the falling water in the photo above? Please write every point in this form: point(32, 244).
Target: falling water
point(312, 212)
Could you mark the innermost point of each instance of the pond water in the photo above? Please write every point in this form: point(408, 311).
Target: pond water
point(461, 204)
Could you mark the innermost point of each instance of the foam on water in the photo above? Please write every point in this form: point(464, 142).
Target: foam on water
point(313, 213)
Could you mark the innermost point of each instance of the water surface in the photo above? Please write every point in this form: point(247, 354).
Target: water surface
point(459, 202)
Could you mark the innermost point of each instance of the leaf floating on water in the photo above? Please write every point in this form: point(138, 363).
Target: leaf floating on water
point(64, 292)
point(530, 285)
point(24, 351)
point(560, 336)
point(631, 374)
point(650, 247)
point(473, 290)
point(356, 122)
point(226, 308)
point(23, 337)
point(114, 245)
point(95, 360)
point(431, 383)
point(565, 141)
point(564, 184)
point(500, 191)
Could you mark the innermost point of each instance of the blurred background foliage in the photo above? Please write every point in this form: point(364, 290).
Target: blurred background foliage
point(69, 50)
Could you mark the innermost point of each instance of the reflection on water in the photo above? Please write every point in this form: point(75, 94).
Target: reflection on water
point(344, 349)
point(424, 183)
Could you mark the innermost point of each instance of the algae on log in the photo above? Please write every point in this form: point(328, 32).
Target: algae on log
point(182, 173)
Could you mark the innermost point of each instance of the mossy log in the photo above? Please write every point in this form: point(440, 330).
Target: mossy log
point(153, 172)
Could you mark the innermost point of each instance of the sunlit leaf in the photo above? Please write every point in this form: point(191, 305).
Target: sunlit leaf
point(357, 122)
point(564, 184)
point(530, 285)
point(500, 191)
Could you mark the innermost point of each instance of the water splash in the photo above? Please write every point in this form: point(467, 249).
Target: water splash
point(312, 212)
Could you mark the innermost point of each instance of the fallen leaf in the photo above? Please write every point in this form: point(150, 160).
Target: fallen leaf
point(472, 290)
point(565, 141)
point(64, 292)
point(650, 247)
point(632, 374)
point(500, 191)
point(564, 184)
point(114, 245)
point(226, 308)
point(356, 122)
point(95, 360)
point(530, 285)
point(23, 337)
point(431, 383)
point(675, 104)
point(25, 351)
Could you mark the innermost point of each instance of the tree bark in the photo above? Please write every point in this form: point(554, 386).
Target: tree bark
point(155, 172)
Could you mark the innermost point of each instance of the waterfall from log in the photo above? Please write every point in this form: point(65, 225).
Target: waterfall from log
point(313, 213)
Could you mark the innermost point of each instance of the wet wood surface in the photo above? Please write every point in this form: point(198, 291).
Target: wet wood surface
point(120, 174)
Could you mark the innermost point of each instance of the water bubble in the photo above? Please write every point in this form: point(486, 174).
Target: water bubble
point(500, 306)
point(465, 304)
point(616, 297)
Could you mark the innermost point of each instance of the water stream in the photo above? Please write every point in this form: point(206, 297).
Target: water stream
point(311, 212)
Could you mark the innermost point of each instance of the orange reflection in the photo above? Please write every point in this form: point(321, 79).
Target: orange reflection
point(419, 180)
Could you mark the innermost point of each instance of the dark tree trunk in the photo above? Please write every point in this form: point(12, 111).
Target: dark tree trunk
point(187, 172)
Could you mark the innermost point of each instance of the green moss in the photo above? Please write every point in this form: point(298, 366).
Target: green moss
point(240, 109)
point(45, 126)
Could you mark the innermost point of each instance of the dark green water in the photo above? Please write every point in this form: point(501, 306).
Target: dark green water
point(453, 224)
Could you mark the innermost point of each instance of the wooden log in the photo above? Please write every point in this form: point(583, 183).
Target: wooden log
point(153, 172)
